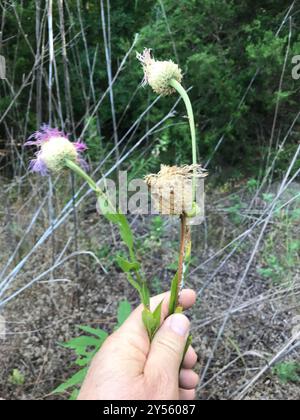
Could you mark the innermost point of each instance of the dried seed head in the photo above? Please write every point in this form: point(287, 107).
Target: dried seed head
point(158, 74)
point(172, 188)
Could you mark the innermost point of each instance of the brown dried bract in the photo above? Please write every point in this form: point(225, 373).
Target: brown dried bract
point(172, 188)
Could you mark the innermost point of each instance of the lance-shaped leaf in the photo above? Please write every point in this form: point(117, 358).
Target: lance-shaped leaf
point(152, 320)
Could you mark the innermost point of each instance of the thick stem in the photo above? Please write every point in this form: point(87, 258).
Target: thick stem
point(181, 256)
point(100, 194)
point(79, 171)
point(182, 92)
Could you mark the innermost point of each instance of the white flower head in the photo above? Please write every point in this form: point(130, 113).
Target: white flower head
point(54, 148)
point(55, 152)
point(158, 74)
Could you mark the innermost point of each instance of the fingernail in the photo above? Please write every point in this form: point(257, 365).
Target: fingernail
point(179, 324)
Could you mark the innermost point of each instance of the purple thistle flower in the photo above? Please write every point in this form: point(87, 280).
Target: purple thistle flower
point(54, 148)
point(43, 135)
point(37, 165)
point(81, 147)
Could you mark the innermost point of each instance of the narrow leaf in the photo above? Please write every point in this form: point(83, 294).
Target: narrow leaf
point(133, 282)
point(76, 379)
point(118, 219)
point(74, 395)
point(126, 265)
point(157, 314)
point(187, 345)
point(124, 311)
point(145, 295)
point(85, 360)
point(125, 231)
point(173, 297)
point(94, 331)
point(81, 344)
point(152, 320)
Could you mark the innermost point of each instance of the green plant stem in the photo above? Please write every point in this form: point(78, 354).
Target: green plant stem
point(101, 195)
point(181, 257)
point(182, 92)
point(79, 171)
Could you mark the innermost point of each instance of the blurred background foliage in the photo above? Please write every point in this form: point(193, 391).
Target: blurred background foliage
point(232, 54)
point(237, 61)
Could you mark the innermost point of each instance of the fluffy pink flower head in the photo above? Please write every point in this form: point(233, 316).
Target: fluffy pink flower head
point(54, 148)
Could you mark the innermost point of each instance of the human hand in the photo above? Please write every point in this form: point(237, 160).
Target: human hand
point(129, 367)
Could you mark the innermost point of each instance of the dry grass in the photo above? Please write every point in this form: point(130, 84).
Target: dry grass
point(258, 328)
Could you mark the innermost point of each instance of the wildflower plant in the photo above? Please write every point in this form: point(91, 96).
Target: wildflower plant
point(173, 188)
point(56, 153)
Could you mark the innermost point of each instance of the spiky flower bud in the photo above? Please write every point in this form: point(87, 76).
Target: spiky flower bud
point(54, 148)
point(172, 189)
point(158, 74)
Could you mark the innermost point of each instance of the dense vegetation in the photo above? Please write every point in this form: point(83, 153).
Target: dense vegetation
point(72, 64)
point(233, 54)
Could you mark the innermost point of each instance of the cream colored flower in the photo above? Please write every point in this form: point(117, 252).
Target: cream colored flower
point(54, 148)
point(158, 74)
point(55, 152)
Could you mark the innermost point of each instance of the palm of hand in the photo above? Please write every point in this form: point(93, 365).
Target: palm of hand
point(128, 367)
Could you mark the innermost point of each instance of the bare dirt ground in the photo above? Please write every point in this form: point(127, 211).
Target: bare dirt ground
point(263, 316)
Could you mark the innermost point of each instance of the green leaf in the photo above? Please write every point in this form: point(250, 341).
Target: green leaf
point(145, 294)
point(133, 282)
point(187, 345)
point(126, 265)
point(173, 297)
point(102, 204)
point(102, 335)
point(287, 372)
point(157, 314)
point(81, 344)
point(74, 395)
point(125, 231)
point(147, 318)
point(85, 360)
point(124, 310)
point(16, 378)
point(152, 320)
point(76, 379)
point(118, 219)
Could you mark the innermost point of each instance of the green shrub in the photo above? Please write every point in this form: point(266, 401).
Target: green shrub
point(288, 372)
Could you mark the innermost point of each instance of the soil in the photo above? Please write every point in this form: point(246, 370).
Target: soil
point(262, 321)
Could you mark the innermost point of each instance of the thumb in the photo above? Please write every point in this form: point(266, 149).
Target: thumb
point(168, 346)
